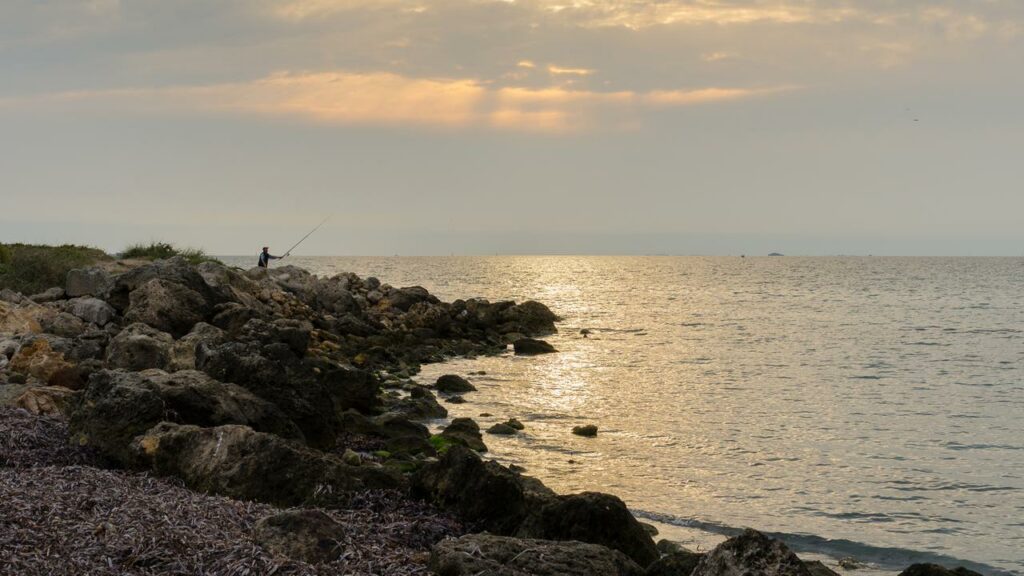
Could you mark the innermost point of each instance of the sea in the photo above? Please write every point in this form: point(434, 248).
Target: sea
point(869, 411)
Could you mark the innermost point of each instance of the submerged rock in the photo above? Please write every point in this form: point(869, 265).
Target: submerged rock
point(588, 430)
point(591, 517)
point(751, 553)
point(476, 554)
point(452, 383)
point(532, 347)
point(502, 430)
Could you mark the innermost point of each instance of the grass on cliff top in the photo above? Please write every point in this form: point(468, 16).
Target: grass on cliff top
point(29, 268)
point(163, 250)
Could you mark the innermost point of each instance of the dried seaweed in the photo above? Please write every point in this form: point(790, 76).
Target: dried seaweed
point(59, 517)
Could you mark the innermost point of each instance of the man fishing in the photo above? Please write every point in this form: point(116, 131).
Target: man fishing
point(266, 257)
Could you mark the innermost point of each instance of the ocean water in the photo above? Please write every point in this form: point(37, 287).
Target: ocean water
point(870, 408)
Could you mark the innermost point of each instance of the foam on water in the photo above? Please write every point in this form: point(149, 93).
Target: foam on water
point(874, 403)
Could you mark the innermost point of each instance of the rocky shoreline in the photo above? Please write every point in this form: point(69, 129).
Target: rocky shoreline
point(170, 418)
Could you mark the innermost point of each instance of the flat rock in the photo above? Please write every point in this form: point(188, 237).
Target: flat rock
point(306, 535)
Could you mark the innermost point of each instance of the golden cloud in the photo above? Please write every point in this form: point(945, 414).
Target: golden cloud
point(345, 98)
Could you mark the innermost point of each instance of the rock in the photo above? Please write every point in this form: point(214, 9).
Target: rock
point(651, 529)
point(465, 432)
point(304, 535)
point(455, 400)
point(37, 358)
point(485, 493)
point(817, 568)
point(92, 310)
point(531, 347)
point(476, 554)
point(421, 404)
point(514, 423)
point(936, 570)
point(669, 547)
point(237, 462)
point(529, 318)
point(11, 297)
point(452, 383)
point(183, 351)
point(18, 320)
point(591, 517)
point(118, 406)
point(64, 324)
point(50, 295)
point(47, 400)
point(89, 282)
point(502, 430)
point(587, 430)
point(679, 563)
point(138, 347)
point(166, 306)
point(751, 553)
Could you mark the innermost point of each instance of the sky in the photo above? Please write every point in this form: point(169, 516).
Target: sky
point(515, 126)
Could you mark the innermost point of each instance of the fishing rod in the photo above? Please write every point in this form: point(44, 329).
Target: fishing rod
point(306, 236)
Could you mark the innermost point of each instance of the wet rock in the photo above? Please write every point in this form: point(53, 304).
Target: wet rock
point(139, 347)
point(936, 570)
point(669, 547)
point(92, 310)
point(89, 282)
point(476, 554)
point(420, 404)
point(514, 423)
point(50, 295)
point(305, 535)
point(47, 400)
point(587, 430)
point(238, 462)
point(532, 347)
point(452, 383)
point(183, 351)
point(679, 563)
point(591, 517)
point(751, 553)
point(117, 406)
point(465, 432)
point(485, 493)
point(455, 400)
point(166, 306)
point(502, 430)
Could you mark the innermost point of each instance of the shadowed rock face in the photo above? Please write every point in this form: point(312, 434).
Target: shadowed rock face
point(936, 570)
point(117, 406)
point(238, 462)
point(503, 556)
point(751, 553)
point(592, 517)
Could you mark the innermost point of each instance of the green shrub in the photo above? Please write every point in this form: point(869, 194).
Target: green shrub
point(163, 250)
point(29, 268)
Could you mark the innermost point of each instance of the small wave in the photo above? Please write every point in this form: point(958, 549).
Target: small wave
point(883, 557)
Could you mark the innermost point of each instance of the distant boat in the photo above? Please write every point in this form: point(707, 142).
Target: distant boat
point(776, 254)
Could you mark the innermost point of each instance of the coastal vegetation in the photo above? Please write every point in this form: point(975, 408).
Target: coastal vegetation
point(162, 250)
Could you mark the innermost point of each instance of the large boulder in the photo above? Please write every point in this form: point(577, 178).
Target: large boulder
point(751, 553)
point(92, 310)
point(465, 432)
point(484, 493)
point(64, 324)
point(19, 319)
point(238, 462)
point(528, 318)
point(118, 406)
point(183, 351)
point(404, 298)
point(38, 358)
point(591, 517)
point(47, 400)
point(475, 554)
point(138, 347)
point(166, 306)
point(176, 270)
point(89, 282)
point(304, 535)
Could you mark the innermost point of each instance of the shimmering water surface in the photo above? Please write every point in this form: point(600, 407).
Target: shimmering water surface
point(864, 407)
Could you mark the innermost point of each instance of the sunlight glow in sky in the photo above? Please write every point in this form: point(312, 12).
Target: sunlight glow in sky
point(482, 126)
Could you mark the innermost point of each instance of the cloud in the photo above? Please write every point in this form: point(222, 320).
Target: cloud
point(346, 98)
point(563, 71)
